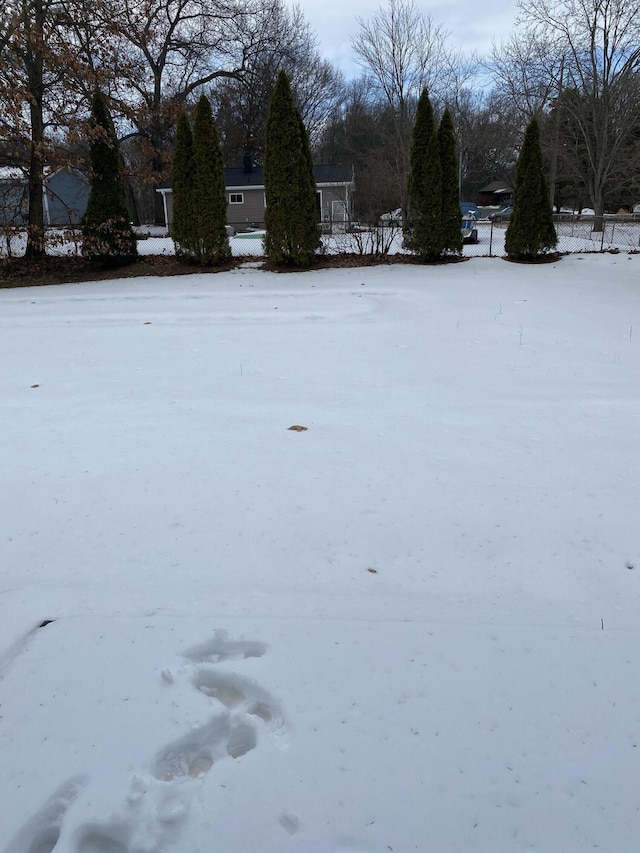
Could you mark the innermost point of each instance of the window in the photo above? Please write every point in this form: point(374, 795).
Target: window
point(236, 198)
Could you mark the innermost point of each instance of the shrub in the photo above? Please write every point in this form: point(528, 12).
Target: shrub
point(183, 226)
point(208, 208)
point(107, 234)
point(291, 216)
point(531, 231)
point(423, 233)
point(451, 215)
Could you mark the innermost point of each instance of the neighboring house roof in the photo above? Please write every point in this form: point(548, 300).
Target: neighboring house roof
point(326, 173)
point(496, 187)
point(238, 177)
point(333, 173)
point(12, 173)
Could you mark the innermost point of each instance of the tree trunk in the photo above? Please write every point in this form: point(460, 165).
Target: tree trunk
point(598, 207)
point(158, 167)
point(35, 70)
point(35, 231)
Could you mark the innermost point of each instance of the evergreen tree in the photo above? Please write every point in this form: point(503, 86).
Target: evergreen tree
point(209, 203)
point(531, 231)
point(108, 237)
point(423, 233)
point(451, 216)
point(291, 216)
point(183, 226)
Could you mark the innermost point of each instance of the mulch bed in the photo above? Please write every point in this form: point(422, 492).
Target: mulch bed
point(21, 272)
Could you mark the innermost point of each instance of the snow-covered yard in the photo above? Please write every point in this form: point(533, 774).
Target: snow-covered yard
point(413, 625)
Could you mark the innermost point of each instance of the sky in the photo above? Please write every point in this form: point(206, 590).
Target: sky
point(473, 27)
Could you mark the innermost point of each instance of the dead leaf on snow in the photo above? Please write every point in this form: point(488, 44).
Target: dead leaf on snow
point(298, 428)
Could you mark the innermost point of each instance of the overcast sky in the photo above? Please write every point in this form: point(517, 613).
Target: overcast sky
point(472, 24)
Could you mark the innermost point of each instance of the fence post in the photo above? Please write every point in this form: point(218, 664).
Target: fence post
point(491, 240)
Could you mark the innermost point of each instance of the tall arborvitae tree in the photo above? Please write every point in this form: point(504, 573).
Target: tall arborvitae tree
point(451, 218)
point(423, 231)
point(291, 216)
point(531, 231)
point(211, 245)
point(183, 226)
point(108, 237)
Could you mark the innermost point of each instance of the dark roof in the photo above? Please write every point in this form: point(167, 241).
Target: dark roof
point(333, 173)
point(237, 177)
point(326, 173)
point(496, 187)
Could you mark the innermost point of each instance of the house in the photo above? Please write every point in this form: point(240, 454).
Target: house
point(13, 196)
point(244, 189)
point(66, 193)
point(497, 192)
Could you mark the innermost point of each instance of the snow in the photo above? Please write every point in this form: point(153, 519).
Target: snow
point(574, 236)
point(412, 626)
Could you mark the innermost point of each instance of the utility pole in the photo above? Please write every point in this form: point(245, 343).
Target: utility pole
point(556, 141)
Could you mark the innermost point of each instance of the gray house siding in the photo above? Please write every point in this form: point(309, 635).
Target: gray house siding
point(250, 211)
point(335, 204)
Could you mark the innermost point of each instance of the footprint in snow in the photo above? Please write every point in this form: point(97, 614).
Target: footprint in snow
point(240, 694)
point(42, 832)
point(194, 754)
point(220, 648)
point(103, 840)
point(231, 733)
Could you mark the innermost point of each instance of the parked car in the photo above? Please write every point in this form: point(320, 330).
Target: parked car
point(394, 217)
point(469, 229)
point(502, 214)
point(470, 208)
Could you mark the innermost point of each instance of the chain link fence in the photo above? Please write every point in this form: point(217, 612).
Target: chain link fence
point(575, 235)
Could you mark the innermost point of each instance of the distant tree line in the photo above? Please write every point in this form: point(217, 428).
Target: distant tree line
point(575, 67)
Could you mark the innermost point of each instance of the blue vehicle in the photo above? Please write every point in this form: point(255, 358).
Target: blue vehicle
point(469, 229)
point(503, 214)
point(470, 208)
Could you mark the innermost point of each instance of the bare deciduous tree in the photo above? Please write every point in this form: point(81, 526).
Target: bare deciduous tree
point(242, 104)
point(173, 48)
point(526, 71)
point(403, 52)
point(361, 131)
point(599, 42)
point(33, 54)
